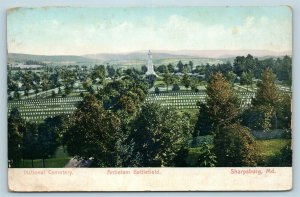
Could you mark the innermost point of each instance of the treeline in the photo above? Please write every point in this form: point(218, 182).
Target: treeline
point(33, 62)
point(242, 69)
point(222, 117)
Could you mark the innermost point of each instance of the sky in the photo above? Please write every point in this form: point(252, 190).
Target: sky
point(80, 31)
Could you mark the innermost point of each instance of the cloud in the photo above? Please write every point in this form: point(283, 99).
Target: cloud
point(175, 32)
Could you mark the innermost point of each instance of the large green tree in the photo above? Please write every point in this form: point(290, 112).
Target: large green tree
point(168, 79)
point(16, 129)
point(247, 79)
point(221, 108)
point(30, 142)
point(126, 94)
point(270, 109)
point(267, 93)
point(158, 134)
point(223, 105)
point(98, 74)
point(234, 146)
point(186, 80)
point(47, 141)
point(93, 133)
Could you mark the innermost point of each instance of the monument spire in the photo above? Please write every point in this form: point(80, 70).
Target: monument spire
point(150, 68)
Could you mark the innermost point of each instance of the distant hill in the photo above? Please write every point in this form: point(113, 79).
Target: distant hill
point(163, 54)
point(18, 57)
point(140, 56)
point(134, 56)
point(219, 54)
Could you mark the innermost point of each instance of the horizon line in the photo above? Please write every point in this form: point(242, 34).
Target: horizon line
point(286, 52)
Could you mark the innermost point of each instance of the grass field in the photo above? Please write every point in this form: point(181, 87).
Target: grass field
point(270, 148)
point(59, 160)
point(267, 149)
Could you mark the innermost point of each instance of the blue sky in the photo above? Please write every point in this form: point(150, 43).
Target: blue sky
point(78, 31)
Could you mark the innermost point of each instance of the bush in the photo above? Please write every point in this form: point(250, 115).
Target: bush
point(234, 146)
point(53, 94)
point(207, 157)
point(202, 156)
point(175, 88)
point(258, 118)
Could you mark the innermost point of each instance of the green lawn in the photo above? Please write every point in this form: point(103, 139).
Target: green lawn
point(267, 149)
point(59, 160)
point(193, 156)
point(270, 148)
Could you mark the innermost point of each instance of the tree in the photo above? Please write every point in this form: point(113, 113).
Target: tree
point(186, 81)
point(126, 94)
point(36, 91)
point(151, 80)
point(175, 87)
point(234, 146)
point(157, 91)
point(111, 71)
point(230, 77)
point(180, 66)
point(98, 74)
point(283, 70)
point(30, 142)
point(267, 93)
point(53, 94)
point(17, 95)
point(48, 140)
point(204, 122)
point(244, 64)
point(16, 129)
point(119, 72)
point(246, 79)
point(58, 125)
point(170, 68)
point(191, 65)
point(93, 133)
point(159, 133)
point(144, 69)
point(283, 110)
point(223, 105)
point(59, 91)
point(207, 157)
point(162, 69)
point(258, 117)
point(270, 110)
point(168, 79)
point(194, 84)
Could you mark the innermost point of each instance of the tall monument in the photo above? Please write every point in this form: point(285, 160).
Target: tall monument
point(150, 68)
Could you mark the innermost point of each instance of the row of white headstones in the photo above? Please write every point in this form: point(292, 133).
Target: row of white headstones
point(42, 108)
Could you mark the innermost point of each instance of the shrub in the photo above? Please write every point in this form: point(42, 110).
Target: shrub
point(175, 88)
point(234, 146)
